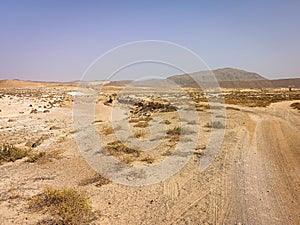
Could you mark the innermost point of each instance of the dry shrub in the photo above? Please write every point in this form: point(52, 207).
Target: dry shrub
point(148, 159)
point(167, 122)
point(108, 130)
point(202, 107)
point(148, 118)
point(167, 153)
point(174, 131)
point(215, 124)
point(140, 119)
point(36, 156)
point(43, 157)
point(141, 124)
point(10, 153)
point(66, 206)
point(116, 148)
point(97, 179)
point(140, 134)
point(135, 120)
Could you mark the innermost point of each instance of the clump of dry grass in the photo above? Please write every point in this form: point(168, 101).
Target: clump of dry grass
point(135, 120)
point(108, 130)
point(215, 124)
point(167, 153)
point(43, 157)
point(148, 159)
point(174, 131)
point(36, 156)
point(140, 119)
point(10, 153)
point(148, 118)
point(202, 107)
point(140, 134)
point(97, 180)
point(66, 206)
point(167, 122)
point(141, 124)
point(116, 148)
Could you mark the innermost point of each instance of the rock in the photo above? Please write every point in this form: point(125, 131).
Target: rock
point(33, 111)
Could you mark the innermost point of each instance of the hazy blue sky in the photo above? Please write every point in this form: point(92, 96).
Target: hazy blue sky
point(57, 40)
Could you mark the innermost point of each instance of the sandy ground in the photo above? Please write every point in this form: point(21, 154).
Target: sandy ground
point(253, 180)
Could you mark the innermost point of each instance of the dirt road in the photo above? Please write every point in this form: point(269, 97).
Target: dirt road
point(253, 180)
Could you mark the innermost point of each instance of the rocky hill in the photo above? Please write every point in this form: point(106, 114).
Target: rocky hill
point(232, 78)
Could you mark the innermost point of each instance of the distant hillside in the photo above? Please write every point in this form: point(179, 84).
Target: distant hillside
point(24, 83)
point(226, 74)
point(232, 78)
point(226, 77)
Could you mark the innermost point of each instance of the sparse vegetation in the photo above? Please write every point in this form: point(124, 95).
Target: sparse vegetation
point(148, 160)
point(140, 134)
point(167, 122)
point(167, 153)
point(257, 98)
point(187, 131)
point(174, 131)
point(135, 120)
point(97, 180)
point(141, 124)
point(215, 124)
point(108, 130)
point(66, 206)
point(116, 148)
point(10, 153)
point(148, 118)
point(43, 157)
point(36, 156)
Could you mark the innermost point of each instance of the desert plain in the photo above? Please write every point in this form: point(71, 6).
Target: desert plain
point(253, 179)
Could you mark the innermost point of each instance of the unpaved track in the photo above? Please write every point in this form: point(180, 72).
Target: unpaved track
point(253, 180)
point(267, 177)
